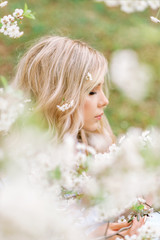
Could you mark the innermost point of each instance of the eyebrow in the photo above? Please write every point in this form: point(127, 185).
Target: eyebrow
point(99, 84)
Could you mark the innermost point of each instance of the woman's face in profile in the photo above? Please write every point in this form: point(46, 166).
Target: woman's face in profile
point(94, 104)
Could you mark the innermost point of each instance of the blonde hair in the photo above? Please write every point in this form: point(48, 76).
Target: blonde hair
point(55, 69)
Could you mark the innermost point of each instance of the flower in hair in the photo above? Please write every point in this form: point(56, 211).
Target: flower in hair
point(89, 76)
point(65, 106)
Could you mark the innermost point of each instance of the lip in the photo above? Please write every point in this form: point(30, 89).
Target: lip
point(99, 116)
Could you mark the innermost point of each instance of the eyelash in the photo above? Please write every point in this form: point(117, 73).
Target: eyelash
point(92, 93)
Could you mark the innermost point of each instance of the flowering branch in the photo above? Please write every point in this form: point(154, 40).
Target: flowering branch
point(116, 233)
point(9, 23)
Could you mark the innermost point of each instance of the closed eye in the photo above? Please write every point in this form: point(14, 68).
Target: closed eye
point(92, 93)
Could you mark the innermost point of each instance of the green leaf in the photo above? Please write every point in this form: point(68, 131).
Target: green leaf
point(28, 13)
point(55, 174)
point(4, 81)
point(130, 220)
point(25, 7)
point(140, 207)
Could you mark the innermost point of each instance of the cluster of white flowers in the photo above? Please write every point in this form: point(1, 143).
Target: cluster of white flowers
point(83, 148)
point(130, 6)
point(108, 183)
point(143, 211)
point(148, 231)
point(53, 176)
point(130, 76)
point(65, 106)
point(55, 169)
point(10, 25)
point(26, 213)
point(119, 171)
point(3, 4)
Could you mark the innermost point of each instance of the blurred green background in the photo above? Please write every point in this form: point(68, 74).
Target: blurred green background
point(106, 29)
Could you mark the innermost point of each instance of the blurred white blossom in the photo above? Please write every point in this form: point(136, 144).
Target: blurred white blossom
point(154, 19)
point(11, 106)
point(107, 184)
point(129, 75)
point(3, 4)
point(26, 214)
point(154, 4)
point(150, 230)
point(116, 177)
point(130, 6)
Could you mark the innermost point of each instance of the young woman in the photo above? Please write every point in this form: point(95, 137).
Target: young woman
point(59, 72)
point(66, 78)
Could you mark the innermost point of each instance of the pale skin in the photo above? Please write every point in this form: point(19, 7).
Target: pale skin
point(94, 107)
point(93, 110)
point(114, 227)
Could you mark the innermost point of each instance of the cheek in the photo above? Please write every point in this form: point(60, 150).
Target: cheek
point(89, 107)
point(90, 124)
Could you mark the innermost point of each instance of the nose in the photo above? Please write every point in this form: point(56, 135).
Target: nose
point(103, 100)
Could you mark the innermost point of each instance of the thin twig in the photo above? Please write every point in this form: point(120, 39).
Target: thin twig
point(120, 235)
point(158, 12)
point(151, 207)
point(106, 229)
point(116, 233)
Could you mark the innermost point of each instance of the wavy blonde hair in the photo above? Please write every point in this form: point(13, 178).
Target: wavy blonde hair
point(55, 69)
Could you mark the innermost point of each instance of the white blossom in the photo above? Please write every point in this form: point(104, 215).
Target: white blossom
point(84, 148)
point(13, 31)
point(7, 19)
point(18, 13)
point(130, 6)
point(122, 219)
point(154, 19)
point(154, 4)
point(133, 237)
point(110, 3)
point(150, 230)
point(66, 106)
point(3, 4)
point(89, 76)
